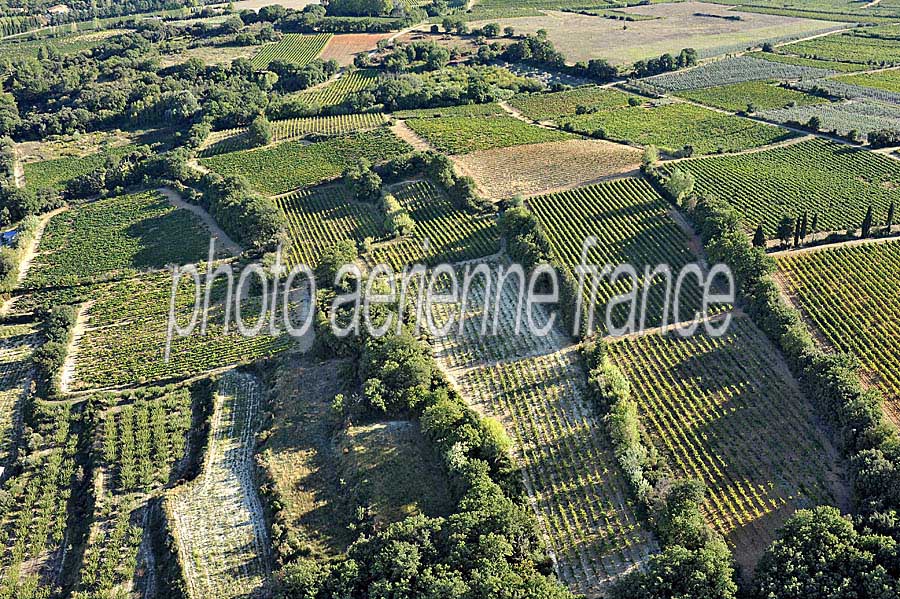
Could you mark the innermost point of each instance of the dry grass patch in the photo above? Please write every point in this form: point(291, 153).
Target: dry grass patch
point(543, 168)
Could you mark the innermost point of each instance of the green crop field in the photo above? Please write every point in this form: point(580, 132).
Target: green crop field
point(886, 80)
point(706, 401)
point(633, 226)
point(799, 61)
point(850, 295)
point(335, 92)
point(671, 126)
point(461, 135)
point(293, 47)
point(234, 140)
point(318, 218)
point(53, 174)
point(541, 107)
point(833, 180)
point(850, 47)
point(443, 232)
point(119, 235)
point(127, 329)
point(762, 95)
point(295, 164)
point(490, 109)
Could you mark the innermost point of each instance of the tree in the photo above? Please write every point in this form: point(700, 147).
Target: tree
point(364, 183)
point(867, 223)
point(491, 30)
point(797, 233)
point(759, 238)
point(819, 554)
point(509, 31)
point(332, 259)
point(814, 228)
point(890, 218)
point(679, 185)
point(803, 226)
point(651, 156)
point(814, 123)
point(260, 131)
point(785, 230)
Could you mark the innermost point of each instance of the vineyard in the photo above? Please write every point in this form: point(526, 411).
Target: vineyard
point(541, 168)
point(120, 235)
point(571, 476)
point(443, 232)
point(671, 126)
point(733, 70)
point(541, 107)
point(54, 174)
point(706, 403)
point(461, 135)
point(841, 117)
point(888, 81)
point(320, 217)
point(850, 295)
point(633, 227)
point(848, 47)
point(848, 91)
point(217, 519)
point(490, 109)
point(111, 557)
point(834, 181)
point(762, 95)
point(335, 92)
point(295, 164)
point(16, 345)
point(293, 47)
point(799, 61)
point(233, 140)
point(125, 336)
point(34, 524)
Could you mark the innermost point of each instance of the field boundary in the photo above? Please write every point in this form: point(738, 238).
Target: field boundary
point(214, 229)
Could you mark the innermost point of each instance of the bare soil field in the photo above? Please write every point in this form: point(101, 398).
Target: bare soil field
point(343, 47)
point(581, 37)
point(543, 168)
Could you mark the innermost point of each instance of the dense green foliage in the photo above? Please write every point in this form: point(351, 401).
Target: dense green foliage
point(461, 135)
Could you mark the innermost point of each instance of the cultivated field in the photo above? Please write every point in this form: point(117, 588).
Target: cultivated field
point(345, 46)
point(442, 233)
point(633, 226)
point(733, 70)
point(320, 217)
point(888, 81)
point(461, 135)
point(295, 164)
point(545, 167)
point(707, 402)
point(841, 117)
point(850, 296)
point(293, 47)
point(862, 48)
point(549, 106)
point(672, 125)
point(490, 109)
point(336, 91)
point(17, 341)
point(217, 519)
point(53, 174)
point(761, 95)
point(573, 483)
point(582, 37)
point(116, 236)
point(834, 181)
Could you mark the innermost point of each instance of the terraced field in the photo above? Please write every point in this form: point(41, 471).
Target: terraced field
point(706, 402)
point(849, 295)
point(633, 226)
point(116, 236)
point(835, 181)
point(671, 126)
point(320, 217)
point(461, 135)
point(443, 232)
point(296, 164)
point(293, 47)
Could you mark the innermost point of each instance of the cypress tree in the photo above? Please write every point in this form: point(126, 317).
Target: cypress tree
point(815, 223)
point(759, 239)
point(890, 217)
point(867, 223)
point(803, 223)
point(797, 233)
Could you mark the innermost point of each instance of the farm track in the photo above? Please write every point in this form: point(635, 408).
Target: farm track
point(27, 258)
point(404, 132)
point(840, 244)
point(18, 171)
point(68, 369)
point(215, 230)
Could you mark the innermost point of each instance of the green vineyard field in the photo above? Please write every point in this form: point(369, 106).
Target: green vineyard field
point(461, 135)
point(293, 47)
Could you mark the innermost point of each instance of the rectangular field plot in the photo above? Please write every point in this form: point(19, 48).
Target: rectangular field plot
point(734, 70)
point(860, 48)
point(293, 47)
point(17, 341)
point(850, 295)
point(762, 95)
point(442, 233)
point(671, 126)
point(120, 235)
point(633, 226)
point(234, 140)
point(319, 218)
point(296, 164)
point(540, 107)
point(888, 81)
point(835, 181)
point(726, 411)
point(535, 386)
point(55, 173)
point(124, 339)
point(217, 519)
point(461, 135)
point(841, 117)
point(335, 92)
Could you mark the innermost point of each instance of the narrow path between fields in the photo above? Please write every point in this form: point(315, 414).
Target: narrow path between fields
point(68, 369)
point(18, 170)
point(404, 132)
point(217, 233)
